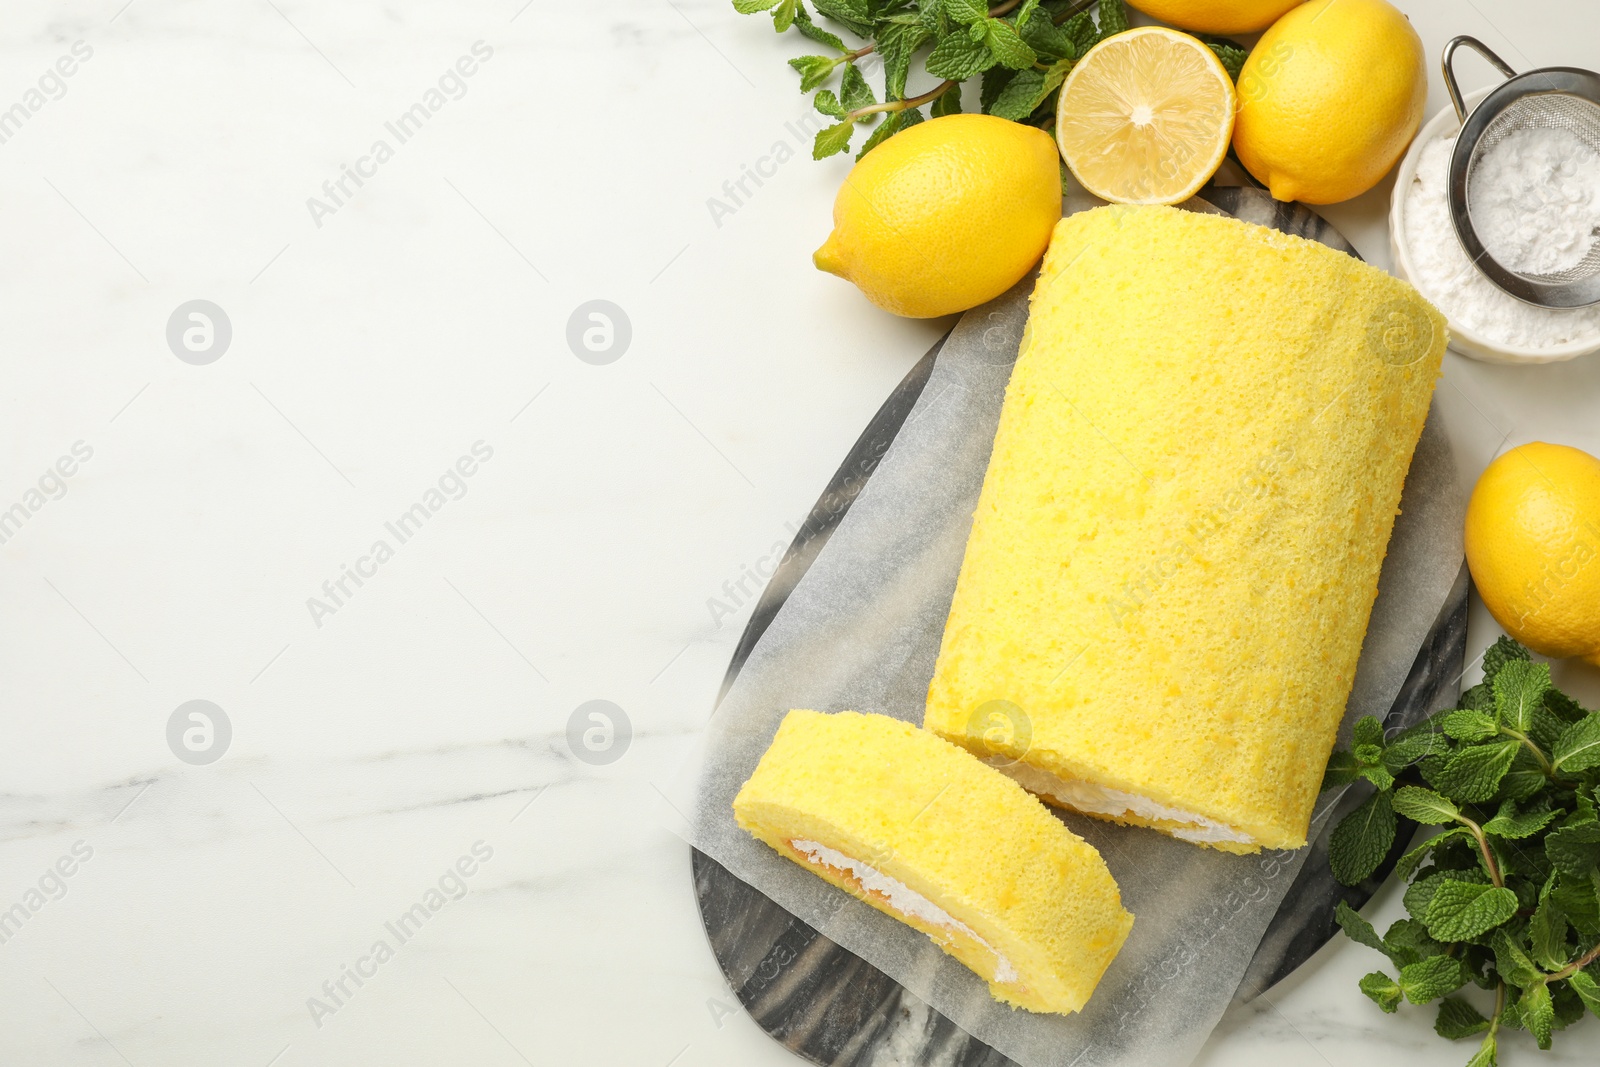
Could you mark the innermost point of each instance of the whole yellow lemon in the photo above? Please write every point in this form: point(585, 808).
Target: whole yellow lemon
point(946, 215)
point(1533, 545)
point(1329, 99)
point(1216, 16)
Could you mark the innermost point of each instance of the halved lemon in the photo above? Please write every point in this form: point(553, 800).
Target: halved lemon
point(1145, 117)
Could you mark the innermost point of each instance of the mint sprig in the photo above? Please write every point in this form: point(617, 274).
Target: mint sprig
point(1022, 49)
point(1505, 896)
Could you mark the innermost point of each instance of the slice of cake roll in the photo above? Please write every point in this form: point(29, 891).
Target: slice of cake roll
point(922, 831)
point(1176, 549)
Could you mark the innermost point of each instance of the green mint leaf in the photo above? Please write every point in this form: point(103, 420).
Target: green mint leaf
point(1232, 57)
point(1508, 823)
point(911, 117)
point(1511, 962)
point(1113, 18)
point(1563, 707)
point(854, 92)
point(1424, 806)
point(1580, 900)
point(1378, 776)
point(1519, 689)
point(948, 103)
point(828, 103)
point(1383, 990)
point(851, 14)
point(1578, 748)
point(1470, 726)
point(1431, 978)
point(1080, 30)
point(1569, 1006)
point(1547, 727)
point(1485, 1056)
point(1025, 12)
point(931, 14)
point(1499, 654)
point(958, 57)
point(1047, 39)
point(886, 129)
point(1367, 731)
point(1056, 75)
point(995, 80)
point(750, 7)
point(1547, 933)
point(1585, 985)
point(1343, 768)
point(1368, 753)
point(1008, 46)
point(896, 69)
point(896, 43)
point(1460, 911)
point(1358, 929)
point(1020, 96)
point(807, 28)
point(1525, 779)
point(1433, 766)
point(1411, 860)
point(1407, 941)
point(1574, 850)
point(1538, 1013)
point(833, 140)
point(1359, 843)
point(1479, 698)
point(966, 12)
point(784, 14)
point(1409, 747)
point(1458, 1019)
point(1472, 775)
point(814, 70)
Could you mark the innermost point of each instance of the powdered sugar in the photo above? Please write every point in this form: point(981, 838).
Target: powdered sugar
point(1536, 200)
point(1444, 274)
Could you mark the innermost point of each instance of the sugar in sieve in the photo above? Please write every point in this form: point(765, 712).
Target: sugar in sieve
point(1550, 97)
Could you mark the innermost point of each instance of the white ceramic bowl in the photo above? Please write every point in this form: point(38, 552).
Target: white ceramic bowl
point(1462, 339)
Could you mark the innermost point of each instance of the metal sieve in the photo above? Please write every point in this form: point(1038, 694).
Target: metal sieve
point(1550, 97)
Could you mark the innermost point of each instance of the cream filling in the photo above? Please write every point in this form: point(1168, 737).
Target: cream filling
point(1098, 800)
point(901, 897)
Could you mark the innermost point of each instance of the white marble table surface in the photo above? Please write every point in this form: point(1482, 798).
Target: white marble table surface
point(390, 734)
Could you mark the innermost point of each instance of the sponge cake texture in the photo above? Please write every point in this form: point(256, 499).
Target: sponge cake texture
point(924, 832)
point(1177, 546)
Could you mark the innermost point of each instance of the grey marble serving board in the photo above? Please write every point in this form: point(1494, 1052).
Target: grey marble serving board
point(831, 1007)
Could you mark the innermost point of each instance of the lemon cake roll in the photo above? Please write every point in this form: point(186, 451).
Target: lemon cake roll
point(1176, 549)
point(922, 831)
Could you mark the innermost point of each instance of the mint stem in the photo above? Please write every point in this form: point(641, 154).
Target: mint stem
point(900, 105)
point(1538, 753)
point(1076, 9)
point(1576, 965)
point(1483, 846)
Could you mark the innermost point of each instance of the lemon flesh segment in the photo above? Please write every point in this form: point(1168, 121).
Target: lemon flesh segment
point(1145, 117)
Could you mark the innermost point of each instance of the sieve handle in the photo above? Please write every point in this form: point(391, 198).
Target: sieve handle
point(1450, 74)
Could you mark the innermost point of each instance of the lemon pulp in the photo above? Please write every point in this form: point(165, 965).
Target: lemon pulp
point(1145, 117)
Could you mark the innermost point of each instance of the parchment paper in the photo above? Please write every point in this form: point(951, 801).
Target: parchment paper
point(861, 632)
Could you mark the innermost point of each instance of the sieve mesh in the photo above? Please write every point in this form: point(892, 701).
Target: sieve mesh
point(1548, 110)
